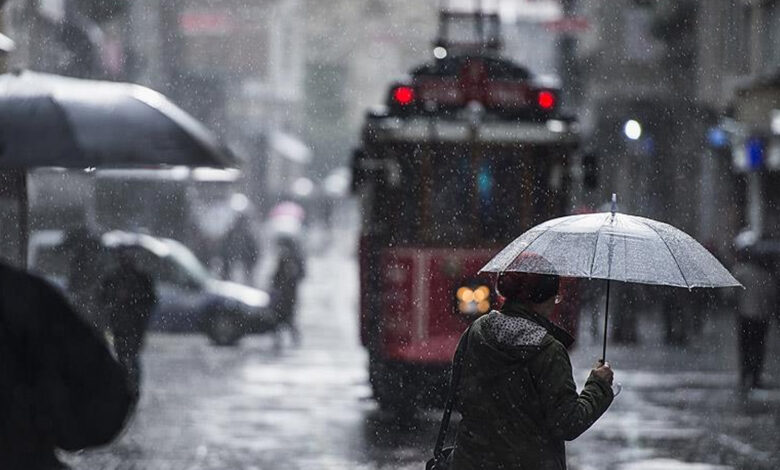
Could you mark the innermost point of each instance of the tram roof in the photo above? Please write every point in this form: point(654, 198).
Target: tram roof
point(432, 129)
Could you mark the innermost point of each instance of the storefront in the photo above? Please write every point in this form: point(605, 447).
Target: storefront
point(754, 136)
point(755, 153)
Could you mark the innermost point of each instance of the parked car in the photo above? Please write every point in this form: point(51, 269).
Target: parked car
point(190, 298)
point(46, 256)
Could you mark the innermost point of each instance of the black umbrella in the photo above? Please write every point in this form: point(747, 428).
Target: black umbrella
point(50, 120)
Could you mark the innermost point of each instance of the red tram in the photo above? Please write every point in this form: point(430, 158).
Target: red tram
point(468, 152)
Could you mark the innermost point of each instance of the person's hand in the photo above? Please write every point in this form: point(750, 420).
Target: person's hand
point(603, 371)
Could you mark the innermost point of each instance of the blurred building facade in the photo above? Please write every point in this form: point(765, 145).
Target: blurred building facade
point(353, 50)
point(287, 81)
point(738, 52)
point(672, 70)
point(740, 78)
point(634, 97)
point(356, 48)
point(237, 67)
point(678, 101)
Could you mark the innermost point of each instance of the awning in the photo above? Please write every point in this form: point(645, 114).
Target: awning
point(290, 147)
point(179, 173)
point(6, 44)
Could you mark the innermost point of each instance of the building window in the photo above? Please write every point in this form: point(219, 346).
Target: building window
point(738, 38)
point(770, 38)
point(639, 43)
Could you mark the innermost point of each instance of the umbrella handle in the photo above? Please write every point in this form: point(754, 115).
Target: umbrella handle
point(606, 328)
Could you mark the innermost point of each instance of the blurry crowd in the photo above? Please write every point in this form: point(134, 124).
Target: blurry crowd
point(71, 354)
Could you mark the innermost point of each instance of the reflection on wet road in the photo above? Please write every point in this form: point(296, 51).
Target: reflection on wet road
point(206, 407)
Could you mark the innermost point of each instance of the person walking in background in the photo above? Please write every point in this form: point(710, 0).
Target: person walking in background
point(128, 296)
point(240, 251)
point(516, 394)
point(757, 302)
point(84, 268)
point(289, 272)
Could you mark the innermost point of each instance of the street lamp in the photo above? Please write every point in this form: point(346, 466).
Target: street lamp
point(632, 129)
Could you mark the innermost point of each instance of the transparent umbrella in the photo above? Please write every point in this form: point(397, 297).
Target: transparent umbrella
point(615, 247)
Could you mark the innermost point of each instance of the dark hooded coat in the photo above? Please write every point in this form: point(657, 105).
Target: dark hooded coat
point(517, 396)
point(290, 270)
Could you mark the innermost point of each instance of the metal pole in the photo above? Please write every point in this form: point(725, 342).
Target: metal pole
point(480, 27)
point(755, 211)
point(606, 327)
point(609, 273)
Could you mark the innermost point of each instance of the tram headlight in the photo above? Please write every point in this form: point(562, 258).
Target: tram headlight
point(473, 300)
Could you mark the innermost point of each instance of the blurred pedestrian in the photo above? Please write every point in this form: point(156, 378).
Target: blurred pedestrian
point(128, 296)
point(60, 388)
point(676, 314)
point(516, 394)
point(240, 251)
point(84, 268)
point(289, 272)
point(756, 305)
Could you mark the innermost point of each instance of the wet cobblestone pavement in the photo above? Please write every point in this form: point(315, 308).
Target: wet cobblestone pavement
point(205, 407)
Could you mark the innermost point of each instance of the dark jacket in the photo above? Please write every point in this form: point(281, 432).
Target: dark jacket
point(59, 385)
point(290, 270)
point(517, 395)
point(128, 296)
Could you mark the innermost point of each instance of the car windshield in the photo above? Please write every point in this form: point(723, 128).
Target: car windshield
point(187, 261)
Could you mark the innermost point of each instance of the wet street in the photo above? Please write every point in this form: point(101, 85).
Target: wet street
point(249, 407)
point(187, 165)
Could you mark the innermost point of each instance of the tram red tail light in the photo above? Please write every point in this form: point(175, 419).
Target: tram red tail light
point(546, 100)
point(403, 95)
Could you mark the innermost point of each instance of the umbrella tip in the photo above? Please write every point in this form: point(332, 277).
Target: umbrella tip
point(614, 203)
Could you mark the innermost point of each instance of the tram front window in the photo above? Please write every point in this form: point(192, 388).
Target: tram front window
point(450, 198)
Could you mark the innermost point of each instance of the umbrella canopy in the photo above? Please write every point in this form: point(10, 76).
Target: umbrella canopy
point(616, 247)
point(50, 120)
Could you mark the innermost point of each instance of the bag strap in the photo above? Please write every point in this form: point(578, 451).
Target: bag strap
point(457, 369)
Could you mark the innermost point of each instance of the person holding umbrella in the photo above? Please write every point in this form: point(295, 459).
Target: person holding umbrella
point(756, 305)
point(290, 269)
point(128, 296)
point(516, 394)
point(517, 398)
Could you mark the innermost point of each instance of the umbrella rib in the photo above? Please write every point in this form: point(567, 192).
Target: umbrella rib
point(66, 119)
point(595, 247)
point(187, 125)
point(674, 258)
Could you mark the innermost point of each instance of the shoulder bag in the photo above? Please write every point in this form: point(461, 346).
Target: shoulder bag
point(442, 456)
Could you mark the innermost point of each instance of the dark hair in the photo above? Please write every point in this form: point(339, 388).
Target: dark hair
point(527, 287)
